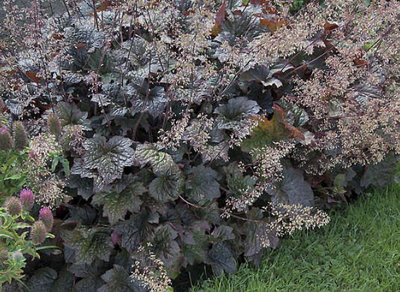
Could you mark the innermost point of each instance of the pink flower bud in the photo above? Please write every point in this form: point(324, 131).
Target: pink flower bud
point(115, 238)
point(46, 216)
point(27, 199)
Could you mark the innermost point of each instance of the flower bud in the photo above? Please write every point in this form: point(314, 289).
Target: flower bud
point(27, 199)
point(20, 136)
point(54, 125)
point(3, 255)
point(17, 256)
point(5, 139)
point(115, 238)
point(13, 206)
point(38, 232)
point(46, 216)
point(2, 105)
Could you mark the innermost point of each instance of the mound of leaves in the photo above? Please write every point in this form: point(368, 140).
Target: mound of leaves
point(195, 126)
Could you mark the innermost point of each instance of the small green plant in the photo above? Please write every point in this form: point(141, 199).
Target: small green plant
point(21, 235)
point(12, 174)
point(27, 163)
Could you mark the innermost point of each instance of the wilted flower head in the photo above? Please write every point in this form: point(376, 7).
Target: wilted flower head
point(38, 232)
point(46, 216)
point(49, 186)
point(5, 139)
point(149, 270)
point(17, 256)
point(20, 136)
point(27, 199)
point(2, 105)
point(42, 147)
point(13, 206)
point(54, 125)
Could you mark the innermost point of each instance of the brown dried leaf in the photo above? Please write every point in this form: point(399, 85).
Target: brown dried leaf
point(273, 24)
point(219, 19)
point(33, 76)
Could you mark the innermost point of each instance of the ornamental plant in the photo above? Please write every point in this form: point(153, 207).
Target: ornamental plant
point(13, 174)
point(21, 237)
point(31, 162)
point(209, 128)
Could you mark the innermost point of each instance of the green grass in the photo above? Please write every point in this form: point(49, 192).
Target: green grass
point(358, 251)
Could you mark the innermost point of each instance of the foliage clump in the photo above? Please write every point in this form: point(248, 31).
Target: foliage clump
point(209, 128)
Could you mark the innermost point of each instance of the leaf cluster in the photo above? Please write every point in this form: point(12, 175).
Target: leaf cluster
point(183, 120)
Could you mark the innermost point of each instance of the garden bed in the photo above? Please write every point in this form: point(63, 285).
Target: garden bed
point(143, 142)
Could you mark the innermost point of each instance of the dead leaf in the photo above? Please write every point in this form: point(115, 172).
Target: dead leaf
point(11, 72)
point(360, 62)
point(33, 76)
point(330, 26)
point(80, 46)
point(273, 24)
point(266, 6)
point(57, 36)
point(104, 5)
point(219, 19)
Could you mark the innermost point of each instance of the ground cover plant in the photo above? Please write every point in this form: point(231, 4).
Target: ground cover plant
point(23, 227)
point(357, 251)
point(184, 135)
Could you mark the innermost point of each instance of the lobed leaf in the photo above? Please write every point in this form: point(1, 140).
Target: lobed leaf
point(202, 184)
point(108, 157)
point(121, 199)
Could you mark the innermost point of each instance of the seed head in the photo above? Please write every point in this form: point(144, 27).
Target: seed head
point(54, 125)
point(20, 136)
point(38, 232)
point(5, 139)
point(13, 206)
point(17, 255)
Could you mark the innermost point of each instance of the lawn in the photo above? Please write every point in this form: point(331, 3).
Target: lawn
point(358, 251)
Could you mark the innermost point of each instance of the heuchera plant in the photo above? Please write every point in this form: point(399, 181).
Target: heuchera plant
point(208, 128)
